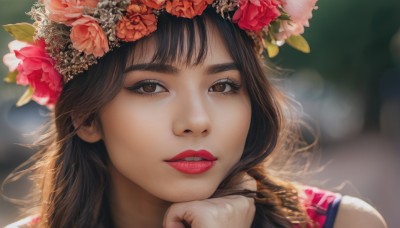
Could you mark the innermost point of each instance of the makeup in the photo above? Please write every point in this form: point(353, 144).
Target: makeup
point(192, 162)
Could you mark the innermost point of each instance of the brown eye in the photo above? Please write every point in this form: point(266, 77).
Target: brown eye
point(219, 88)
point(225, 86)
point(149, 88)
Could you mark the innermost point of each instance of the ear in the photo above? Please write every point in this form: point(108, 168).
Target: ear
point(88, 131)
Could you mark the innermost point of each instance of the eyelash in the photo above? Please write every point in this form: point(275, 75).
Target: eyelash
point(235, 86)
point(138, 86)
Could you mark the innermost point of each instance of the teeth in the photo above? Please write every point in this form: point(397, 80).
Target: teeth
point(192, 159)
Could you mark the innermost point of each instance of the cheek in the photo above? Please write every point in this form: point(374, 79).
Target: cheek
point(135, 141)
point(232, 127)
point(131, 131)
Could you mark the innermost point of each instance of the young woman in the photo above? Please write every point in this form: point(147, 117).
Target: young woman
point(164, 115)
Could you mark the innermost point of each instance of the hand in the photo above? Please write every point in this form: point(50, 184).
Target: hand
point(230, 211)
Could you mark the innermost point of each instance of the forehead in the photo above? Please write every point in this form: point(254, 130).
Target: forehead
point(190, 46)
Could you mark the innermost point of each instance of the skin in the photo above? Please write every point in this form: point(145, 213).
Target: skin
point(186, 111)
point(182, 107)
point(229, 211)
point(354, 212)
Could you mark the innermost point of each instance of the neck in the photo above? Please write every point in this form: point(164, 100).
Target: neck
point(132, 206)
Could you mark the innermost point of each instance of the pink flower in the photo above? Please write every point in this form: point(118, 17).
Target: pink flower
point(287, 29)
point(87, 36)
point(37, 70)
point(10, 60)
point(253, 15)
point(66, 11)
point(300, 11)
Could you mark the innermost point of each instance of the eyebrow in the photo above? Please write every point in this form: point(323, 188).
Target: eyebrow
point(218, 68)
point(166, 68)
point(154, 67)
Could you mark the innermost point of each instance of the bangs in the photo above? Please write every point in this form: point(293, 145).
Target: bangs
point(179, 40)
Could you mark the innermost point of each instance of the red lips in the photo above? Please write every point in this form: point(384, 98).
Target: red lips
point(192, 162)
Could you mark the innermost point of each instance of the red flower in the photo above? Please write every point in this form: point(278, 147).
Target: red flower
point(139, 22)
point(37, 70)
point(187, 8)
point(253, 15)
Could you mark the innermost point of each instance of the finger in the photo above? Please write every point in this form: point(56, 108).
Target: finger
point(174, 224)
point(176, 217)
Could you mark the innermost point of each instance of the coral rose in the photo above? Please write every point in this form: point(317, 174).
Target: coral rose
point(37, 70)
point(66, 11)
point(253, 15)
point(10, 60)
point(300, 11)
point(187, 8)
point(87, 36)
point(139, 22)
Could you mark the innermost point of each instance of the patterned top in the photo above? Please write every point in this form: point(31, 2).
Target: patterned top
point(321, 206)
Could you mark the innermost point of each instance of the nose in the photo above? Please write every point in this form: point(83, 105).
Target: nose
point(192, 118)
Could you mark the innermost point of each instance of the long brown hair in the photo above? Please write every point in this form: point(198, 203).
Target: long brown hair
point(71, 176)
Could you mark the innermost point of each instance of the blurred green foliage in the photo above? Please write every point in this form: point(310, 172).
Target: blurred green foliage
point(350, 47)
point(11, 11)
point(349, 40)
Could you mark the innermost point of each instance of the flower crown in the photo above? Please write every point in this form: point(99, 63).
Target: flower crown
point(68, 36)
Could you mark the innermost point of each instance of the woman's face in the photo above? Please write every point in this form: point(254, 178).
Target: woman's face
point(166, 109)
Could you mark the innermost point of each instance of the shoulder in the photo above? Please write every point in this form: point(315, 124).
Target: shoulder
point(354, 212)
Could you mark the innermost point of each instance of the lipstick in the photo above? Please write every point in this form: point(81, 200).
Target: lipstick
point(192, 162)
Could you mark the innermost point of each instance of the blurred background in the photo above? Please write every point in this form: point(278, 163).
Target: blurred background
point(349, 85)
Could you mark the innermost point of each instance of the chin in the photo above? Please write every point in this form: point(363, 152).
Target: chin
point(185, 195)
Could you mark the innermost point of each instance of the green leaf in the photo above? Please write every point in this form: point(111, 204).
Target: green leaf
point(299, 43)
point(275, 27)
point(272, 49)
point(26, 97)
point(21, 31)
point(284, 16)
point(11, 77)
